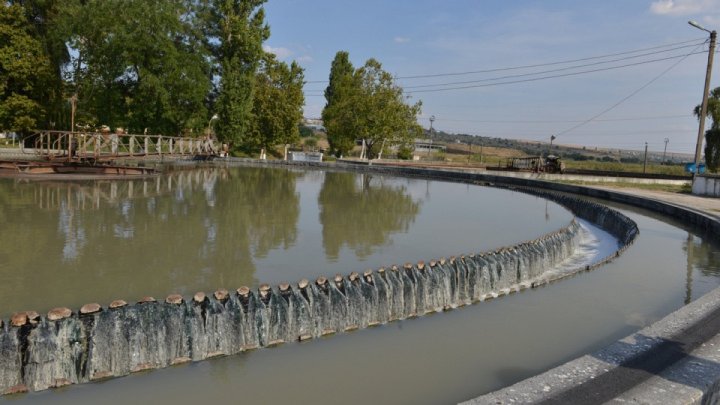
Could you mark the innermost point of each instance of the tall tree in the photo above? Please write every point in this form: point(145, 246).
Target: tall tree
point(44, 17)
point(25, 70)
point(341, 85)
point(372, 108)
point(240, 29)
point(712, 135)
point(277, 105)
point(138, 64)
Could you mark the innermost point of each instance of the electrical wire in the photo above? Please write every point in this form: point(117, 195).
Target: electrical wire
point(550, 70)
point(536, 65)
point(534, 79)
point(638, 90)
point(564, 121)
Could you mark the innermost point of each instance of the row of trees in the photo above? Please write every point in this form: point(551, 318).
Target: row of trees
point(365, 104)
point(161, 66)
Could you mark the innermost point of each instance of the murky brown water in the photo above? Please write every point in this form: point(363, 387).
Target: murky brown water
point(70, 243)
point(443, 358)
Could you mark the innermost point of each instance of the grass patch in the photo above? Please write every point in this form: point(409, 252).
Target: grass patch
point(678, 170)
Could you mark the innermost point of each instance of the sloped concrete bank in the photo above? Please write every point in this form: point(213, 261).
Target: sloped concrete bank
point(68, 347)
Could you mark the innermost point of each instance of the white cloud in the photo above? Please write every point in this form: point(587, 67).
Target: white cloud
point(684, 7)
point(401, 40)
point(280, 52)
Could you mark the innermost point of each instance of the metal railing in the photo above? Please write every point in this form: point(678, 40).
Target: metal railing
point(101, 145)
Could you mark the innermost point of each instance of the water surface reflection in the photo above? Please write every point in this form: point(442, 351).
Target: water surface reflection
point(66, 243)
point(368, 206)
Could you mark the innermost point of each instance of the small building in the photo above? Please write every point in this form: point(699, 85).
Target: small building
point(428, 145)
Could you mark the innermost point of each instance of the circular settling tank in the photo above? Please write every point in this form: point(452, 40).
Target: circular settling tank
point(70, 243)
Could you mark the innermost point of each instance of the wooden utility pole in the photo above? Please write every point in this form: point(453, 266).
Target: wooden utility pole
point(645, 161)
point(73, 107)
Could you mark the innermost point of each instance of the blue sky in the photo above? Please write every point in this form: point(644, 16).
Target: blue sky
point(420, 37)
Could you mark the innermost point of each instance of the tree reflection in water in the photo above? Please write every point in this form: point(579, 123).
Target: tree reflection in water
point(361, 212)
point(68, 243)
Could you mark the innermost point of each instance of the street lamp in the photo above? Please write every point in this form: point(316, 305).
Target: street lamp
point(703, 108)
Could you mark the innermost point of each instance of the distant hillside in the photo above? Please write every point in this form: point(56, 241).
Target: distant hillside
point(574, 152)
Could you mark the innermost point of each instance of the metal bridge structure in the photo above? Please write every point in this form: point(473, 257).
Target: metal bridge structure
point(65, 146)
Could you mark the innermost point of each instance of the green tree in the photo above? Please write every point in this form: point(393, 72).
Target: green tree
point(277, 105)
point(340, 87)
point(384, 116)
point(25, 70)
point(712, 136)
point(306, 131)
point(371, 107)
point(136, 63)
point(44, 16)
point(240, 29)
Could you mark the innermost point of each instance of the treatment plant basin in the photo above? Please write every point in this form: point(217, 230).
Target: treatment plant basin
point(70, 243)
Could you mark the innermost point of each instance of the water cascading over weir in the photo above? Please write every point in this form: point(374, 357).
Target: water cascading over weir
point(94, 343)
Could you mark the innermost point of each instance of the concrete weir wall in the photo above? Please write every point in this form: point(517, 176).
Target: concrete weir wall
point(69, 347)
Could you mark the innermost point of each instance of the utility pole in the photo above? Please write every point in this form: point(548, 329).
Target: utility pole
point(432, 119)
point(470, 154)
point(706, 91)
point(73, 106)
point(665, 150)
point(645, 161)
point(481, 150)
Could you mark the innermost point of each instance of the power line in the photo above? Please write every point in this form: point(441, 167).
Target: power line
point(544, 71)
point(641, 88)
point(534, 79)
point(593, 134)
point(550, 70)
point(564, 121)
point(554, 76)
point(536, 65)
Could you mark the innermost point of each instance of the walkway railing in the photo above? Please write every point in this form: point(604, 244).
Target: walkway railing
point(99, 145)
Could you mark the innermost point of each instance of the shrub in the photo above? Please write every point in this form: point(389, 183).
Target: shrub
point(404, 152)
